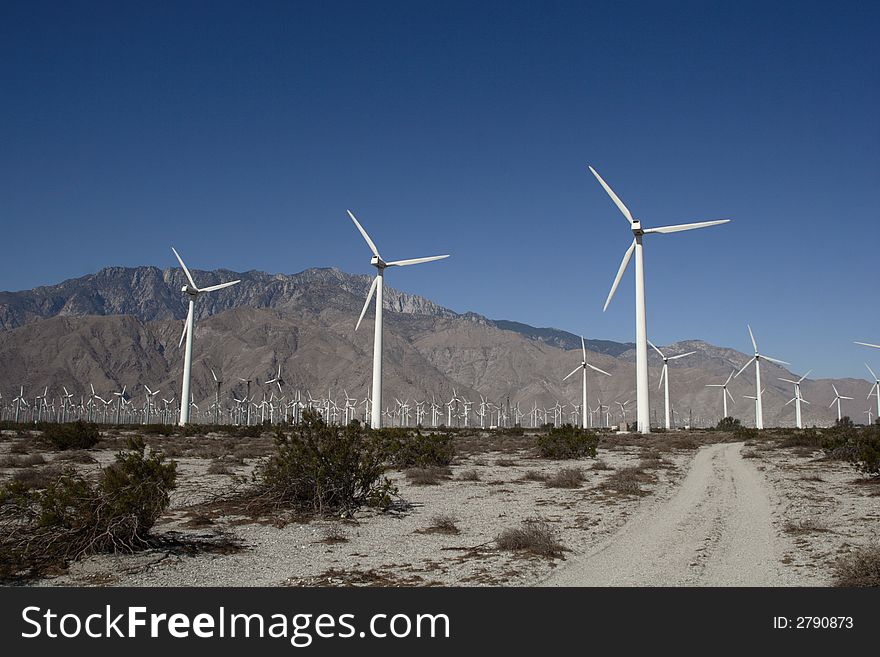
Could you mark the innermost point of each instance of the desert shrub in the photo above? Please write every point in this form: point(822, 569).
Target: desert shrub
point(75, 456)
point(443, 523)
point(626, 481)
point(534, 536)
point(534, 475)
point(602, 465)
point(566, 478)
point(430, 476)
point(728, 424)
point(567, 442)
point(159, 429)
point(72, 435)
point(470, 475)
point(802, 438)
point(859, 568)
point(505, 463)
point(324, 469)
point(74, 516)
point(412, 449)
point(219, 467)
point(24, 461)
point(860, 446)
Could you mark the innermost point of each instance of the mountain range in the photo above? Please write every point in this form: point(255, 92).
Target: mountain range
point(121, 326)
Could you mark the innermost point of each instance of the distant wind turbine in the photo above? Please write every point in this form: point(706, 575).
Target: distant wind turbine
point(664, 374)
point(583, 366)
point(837, 398)
point(643, 406)
point(377, 287)
point(725, 393)
point(759, 392)
point(797, 399)
point(192, 291)
point(875, 389)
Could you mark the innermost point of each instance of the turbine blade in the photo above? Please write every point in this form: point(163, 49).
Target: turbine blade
point(787, 380)
point(730, 377)
point(690, 353)
point(367, 302)
point(804, 376)
point(868, 344)
point(662, 374)
point(752, 336)
point(789, 401)
point(835, 390)
point(871, 371)
point(212, 374)
point(623, 265)
point(729, 395)
point(744, 367)
point(185, 325)
point(414, 261)
point(593, 367)
point(364, 233)
point(211, 288)
point(574, 371)
point(185, 270)
point(680, 227)
point(584, 348)
point(617, 201)
point(775, 360)
point(657, 350)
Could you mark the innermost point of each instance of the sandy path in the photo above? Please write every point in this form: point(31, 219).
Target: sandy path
point(715, 531)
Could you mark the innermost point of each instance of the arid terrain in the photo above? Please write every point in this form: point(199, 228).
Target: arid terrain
point(684, 508)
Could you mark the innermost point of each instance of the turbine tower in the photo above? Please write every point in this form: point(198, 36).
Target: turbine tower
point(875, 389)
point(664, 374)
point(797, 399)
point(583, 366)
point(192, 291)
point(759, 392)
point(643, 404)
point(377, 287)
point(725, 393)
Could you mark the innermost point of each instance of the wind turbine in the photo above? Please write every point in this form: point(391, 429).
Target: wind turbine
point(583, 366)
point(837, 398)
point(377, 287)
point(192, 291)
point(216, 397)
point(643, 405)
point(797, 399)
point(664, 374)
point(875, 389)
point(759, 392)
point(725, 393)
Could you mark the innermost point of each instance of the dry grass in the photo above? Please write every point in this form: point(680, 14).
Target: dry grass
point(627, 481)
point(219, 467)
point(859, 568)
point(76, 456)
point(533, 536)
point(601, 465)
point(566, 478)
point(806, 526)
point(430, 476)
point(469, 475)
point(534, 475)
point(442, 523)
point(506, 463)
point(26, 461)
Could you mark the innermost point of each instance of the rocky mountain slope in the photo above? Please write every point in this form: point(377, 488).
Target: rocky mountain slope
point(121, 326)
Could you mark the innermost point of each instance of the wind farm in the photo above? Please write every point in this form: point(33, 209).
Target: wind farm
point(285, 407)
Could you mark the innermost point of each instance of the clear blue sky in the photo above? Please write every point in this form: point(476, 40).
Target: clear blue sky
point(241, 132)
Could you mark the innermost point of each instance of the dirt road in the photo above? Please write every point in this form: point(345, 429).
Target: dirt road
point(715, 531)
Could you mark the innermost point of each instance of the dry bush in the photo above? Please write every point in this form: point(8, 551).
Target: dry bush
point(859, 568)
point(533, 536)
point(334, 534)
point(25, 461)
point(602, 465)
point(76, 456)
point(20, 447)
point(219, 467)
point(566, 478)
point(469, 475)
point(430, 476)
point(534, 475)
point(567, 442)
point(37, 478)
point(807, 526)
point(627, 481)
point(506, 463)
point(443, 524)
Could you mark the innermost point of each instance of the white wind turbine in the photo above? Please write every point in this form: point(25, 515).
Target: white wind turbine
point(797, 399)
point(664, 374)
point(725, 393)
point(875, 389)
point(192, 291)
point(377, 287)
point(583, 366)
point(643, 411)
point(837, 398)
point(759, 392)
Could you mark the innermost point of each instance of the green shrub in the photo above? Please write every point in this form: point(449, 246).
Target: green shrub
point(728, 424)
point(73, 516)
point(567, 442)
point(412, 449)
point(325, 469)
point(860, 446)
point(72, 435)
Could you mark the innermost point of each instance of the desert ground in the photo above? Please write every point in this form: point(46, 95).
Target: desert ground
point(679, 509)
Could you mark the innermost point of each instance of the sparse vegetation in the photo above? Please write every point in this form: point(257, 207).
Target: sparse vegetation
point(728, 424)
point(534, 475)
point(533, 536)
point(860, 446)
point(430, 476)
point(566, 478)
point(469, 475)
point(626, 481)
point(567, 442)
point(323, 469)
point(412, 449)
point(72, 516)
point(859, 568)
point(443, 523)
point(72, 435)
